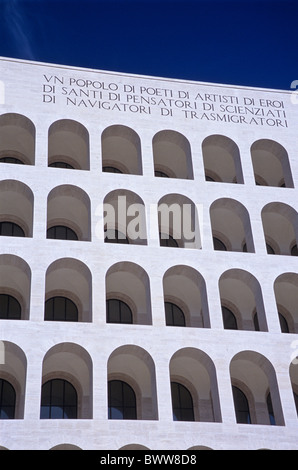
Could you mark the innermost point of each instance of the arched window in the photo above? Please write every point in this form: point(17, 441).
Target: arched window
point(296, 401)
point(70, 278)
point(185, 287)
point(10, 308)
point(270, 250)
point(7, 400)
point(241, 298)
point(256, 378)
point(61, 165)
point(118, 312)
point(61, 232)
point(293, 370)
point(271, 164)
point(279, 222)
point(160, 174)
point(121, 149)
point(178, 222)
point(60, 309)
point(294, 250)
point(229, 319)
point(241, 406)
point(124, 218)
point(219, 245)
point(17, 139)
point(58, 400)
point(221, 158)
point(167, 240)
point(114, 236)
point(283, 323)
point(128, 282)
point(10, 229)
point(68, 142)
point(231, 228)
point(110, 169)
point(131, 386)
point(172, 155)
point(121, 400)
point(182, 403)
point(208, 178)
point(68, 207)
point(11, 160)
point(256, 322)
point(174, 315)
point(270, 409)
point(16, 209)
point(286, 297)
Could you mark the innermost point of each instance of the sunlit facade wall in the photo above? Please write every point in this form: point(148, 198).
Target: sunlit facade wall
point(182, 331)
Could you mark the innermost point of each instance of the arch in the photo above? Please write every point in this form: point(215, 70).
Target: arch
point(17, 139)
point(172, 155)
point(69, 206)
point(121, 150)
point(133, 365)
point(124, 213)
point(70, 278)
point(200, 448)
point(240, 292)
point(255, 376)
point(185, 287)
point(13, 369)
point(134, 447)
point(178, 218)
point(16, 205)
point(280, 225)
point(230, 224)
point(15, 281)
point(286, 296)
point(195, 370)
point(58, 363)
point(68, 145)
point(65, 447)
point(271, 164)
point(61, 232)
point(221, 158)
point(130, 283)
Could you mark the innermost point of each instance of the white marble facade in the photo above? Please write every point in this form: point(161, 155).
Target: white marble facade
point(231, 157)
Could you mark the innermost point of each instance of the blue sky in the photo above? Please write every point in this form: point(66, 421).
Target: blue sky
point(239, 42)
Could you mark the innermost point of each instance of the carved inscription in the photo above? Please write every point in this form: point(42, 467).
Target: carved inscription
point(191, 104)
